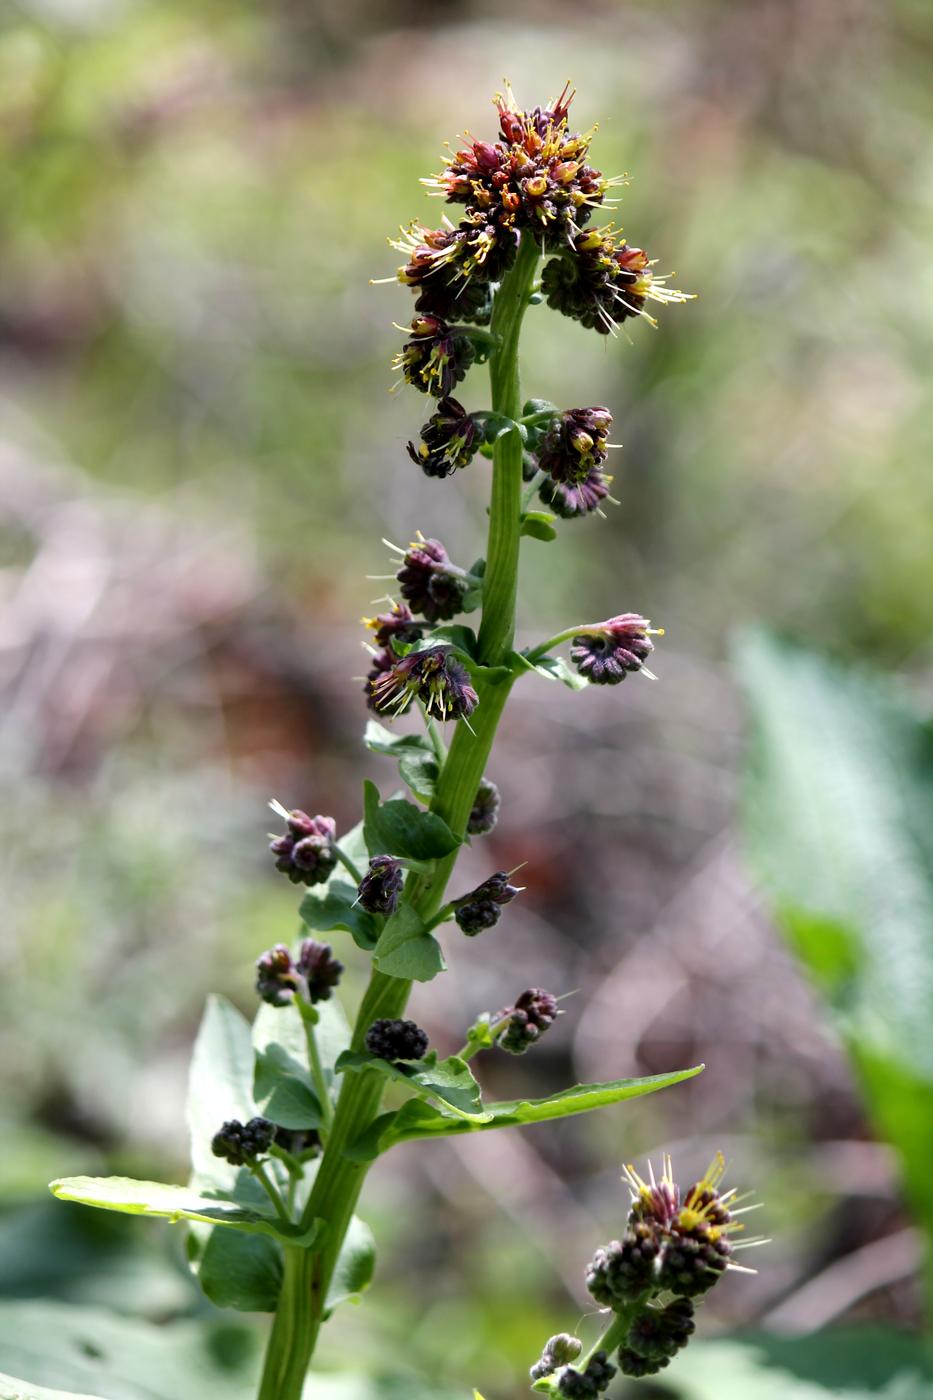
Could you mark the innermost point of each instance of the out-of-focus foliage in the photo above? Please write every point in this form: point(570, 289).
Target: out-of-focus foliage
point(840, 824)
point(198, 456)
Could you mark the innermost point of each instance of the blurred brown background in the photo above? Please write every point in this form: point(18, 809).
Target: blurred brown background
point(198, 456)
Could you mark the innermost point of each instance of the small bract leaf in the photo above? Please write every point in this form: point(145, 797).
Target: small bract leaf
point(399, 828)
point(450, 1083)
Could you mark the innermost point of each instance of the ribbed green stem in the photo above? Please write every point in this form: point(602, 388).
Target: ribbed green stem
point(339, 1181)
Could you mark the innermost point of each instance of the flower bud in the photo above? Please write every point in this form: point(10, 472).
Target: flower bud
point(626, 1269)
point(436, 358)
point(396, 1040)
point(430, 583)
point(241, 1143)
point(485, 810)
point(398, 624)
point(449, 440)
point(575, 444)
point(606, 656)
point(482, 908)
point(534, 1011)
point(306, 852)
point(570, 500)
point(659, 1333)
point(313, 976)
point(276, 976)
point(558, 1351)
point(381, 886)
point(584, 1385)
point(319, 969)
point(435, 677)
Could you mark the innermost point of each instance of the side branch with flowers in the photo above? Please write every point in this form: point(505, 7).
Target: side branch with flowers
point(287, 1115)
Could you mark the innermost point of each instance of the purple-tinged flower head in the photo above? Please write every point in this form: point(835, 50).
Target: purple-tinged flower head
point(658, 1334)
point(381, 885)
point(396, 625)
point(485, 810)
point(586, 1385)
point(319, 970)
point(572, 500)
point(482, 908)
point(451, 268)
point(434, 677)
point(312, 976)
point(396, 1040)
point(450, 440)
point(558, 1351)
point(382, 663)
point(430, 583)
point(600, 280)
point(535, 177)
point(277, 978)
point(306, 852)
point(435, 358)
point(534, 1011)
point(606, 655)
point(241, 1143)
point(575, 445)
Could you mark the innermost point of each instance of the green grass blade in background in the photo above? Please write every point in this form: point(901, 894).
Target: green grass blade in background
point(839, 826)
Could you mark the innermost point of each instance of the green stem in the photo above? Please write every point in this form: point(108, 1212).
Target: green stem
point(339, 1181)
point(322, 1089)
point(259, 1172)
point(567, 635)
point(349, 865)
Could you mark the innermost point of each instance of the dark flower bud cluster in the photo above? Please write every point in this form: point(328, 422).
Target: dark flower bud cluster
point(485, 810)
point(436, 357)
point(313, 975)
point(558, 1351)
point(396, 1040)
point(306, 853)
point(585, 1385)
point(430, 583)
point(536, 177)
point(450, 440)
point(574, 445)
point(381, 886)
point(396, 625)
point(482, 908)
point(434, 677)
point(570, 500)
point(655, 1338)
point(534, 1011)
point(600, 281)
point(241, 1143)
point(609, 652)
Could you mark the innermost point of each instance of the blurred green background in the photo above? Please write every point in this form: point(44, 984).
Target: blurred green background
point(198, 457)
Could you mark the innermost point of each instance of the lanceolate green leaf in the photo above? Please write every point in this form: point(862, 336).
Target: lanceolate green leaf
point(174, 1203)
point(417, 1119)
point(449, 1082)
point(220, 1086)
point(839, 818)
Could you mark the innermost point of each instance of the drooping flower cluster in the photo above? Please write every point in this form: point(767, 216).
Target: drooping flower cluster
point(381, 886)
point(313, 975)
point(482, 908)
point(601, 281)
point(485, 810)
point(434, 677)
point(450, 440)
point(436, 357)
point(575, 445)
point(241, 1143)
point(306, 852)
point(533, 1013)
point(430, 583)
point(607, 653)
point(396, 1040)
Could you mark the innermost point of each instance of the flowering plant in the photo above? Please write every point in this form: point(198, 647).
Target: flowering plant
point(287, 1116)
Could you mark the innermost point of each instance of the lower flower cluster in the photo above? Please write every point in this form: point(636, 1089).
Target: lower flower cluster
point(675, 1248)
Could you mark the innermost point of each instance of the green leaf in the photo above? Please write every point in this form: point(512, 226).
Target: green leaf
point(282, 1090)
point(417, 1119)
point(538, 525)
point(173, 1203)
point(355, 1266)
point(381, 740)
point(353, 845)
point(453, 634)
point(405, 950)
point(334, 907)
point(399, 828)
point(220, 1086)
point(237, 1270)
point(839, 824)
point(420, 772)
point(449, 1082)
point(89, 1352)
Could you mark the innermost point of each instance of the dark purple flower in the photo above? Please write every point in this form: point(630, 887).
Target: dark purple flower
point(430, 583)
point(398, 624)
point(435, 677)
point(449, 440)
point(319, 969)
point(574, 445)
point(381, 885)
point(312, 976)
point(306, 852)
point(601, 281)
point(276, 976)
point(396, 1040)
point(382, 663)
point(569, 501)
point(534, 1011)
point(606, 655)
point(436, 358)
point(485, 810)
point(482, 908)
